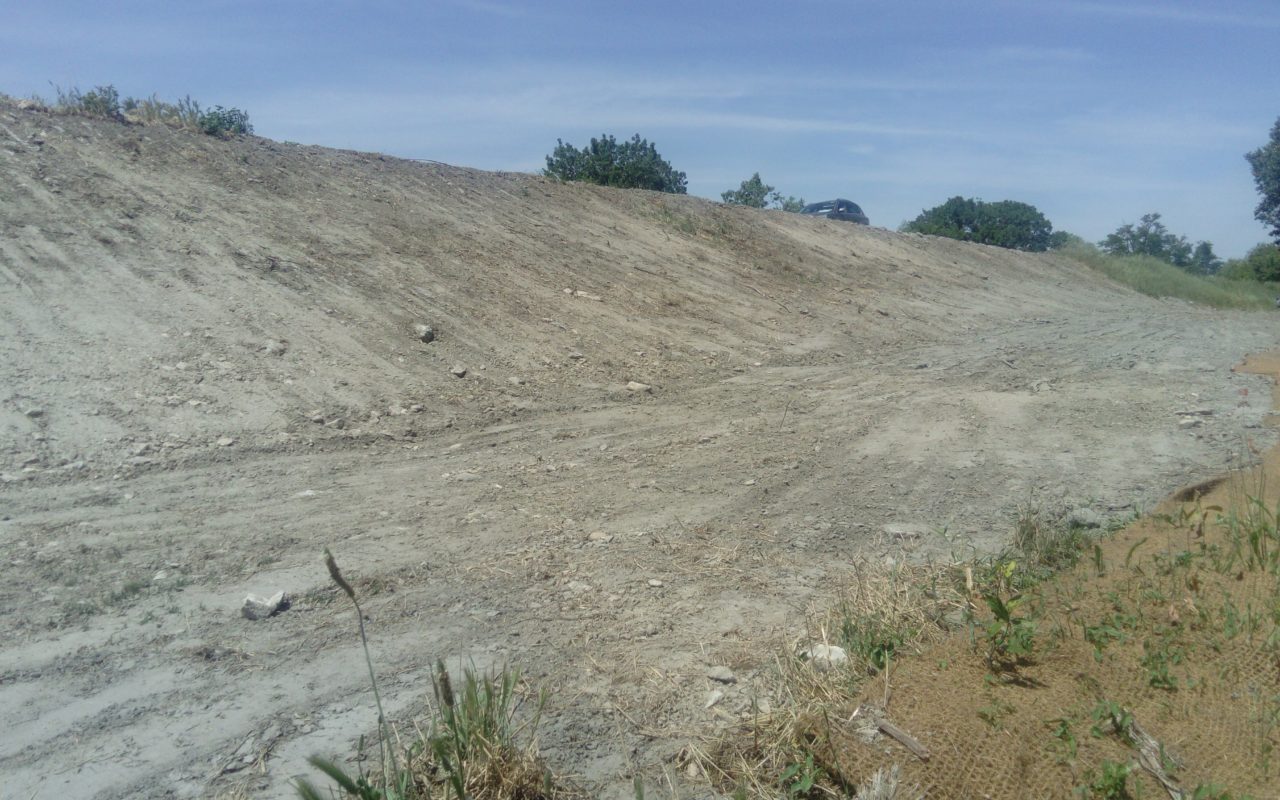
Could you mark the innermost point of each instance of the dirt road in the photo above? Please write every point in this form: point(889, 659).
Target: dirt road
point(209, 371)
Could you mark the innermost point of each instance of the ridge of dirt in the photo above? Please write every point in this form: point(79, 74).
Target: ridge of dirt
point(209, 370)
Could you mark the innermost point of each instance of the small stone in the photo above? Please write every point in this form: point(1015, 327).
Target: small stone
point(576, 356)
point(425, 333)
point(655, 583)
point(599, 537)
point(637, 386)
point(226, 441)
point(274, 347)
point(459, 371)
point(35, 413)
point(317, 418)
point(257, 608)
point(578, 587)
point(825, 656)
point(417, 408)
point(749, 482)
point(721, 674)
point(1190, 422)
point(516, 380)
point(714, 696)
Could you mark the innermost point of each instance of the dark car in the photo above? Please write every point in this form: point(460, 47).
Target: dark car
point(837, 209)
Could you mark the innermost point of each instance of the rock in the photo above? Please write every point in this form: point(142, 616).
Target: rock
point(1190, 422)
point(1084, 517)
point(516, 380)
point(721, 674)
point(599, 537)
point(459, 371)
point(824, 656)
point(317, 418)
point(637, 386)
point(714, 696)
point(226, 441)
point(655, 583)
point(578, 587)
point(417, 408)
point(425, 333)
point(256, 607)
point(274, 347)
point(576, 356)
point(35, 413)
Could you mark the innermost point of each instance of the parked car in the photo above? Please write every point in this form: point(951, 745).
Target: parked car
point(837, 209)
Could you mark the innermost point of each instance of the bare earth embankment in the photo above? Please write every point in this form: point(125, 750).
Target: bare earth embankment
point(209, 371)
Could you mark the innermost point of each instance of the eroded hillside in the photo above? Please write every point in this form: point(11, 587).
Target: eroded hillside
point(209, 370)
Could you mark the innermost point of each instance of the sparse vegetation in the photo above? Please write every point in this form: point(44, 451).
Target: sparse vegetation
point(105, 102)
point(475, 747)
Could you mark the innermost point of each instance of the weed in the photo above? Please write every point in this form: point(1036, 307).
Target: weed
point(1009, 638)
point(1066, 739)
point(1110, 782)
point(1156, 660)
point(225, 122)
point(471, 752)
point(798, 779)
point(872, 637)
point(1111, 717)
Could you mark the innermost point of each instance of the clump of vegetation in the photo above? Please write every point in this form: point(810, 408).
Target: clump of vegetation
point(630, 164)
point(1008, 223)
point(474, 748)
point(105, 102)
point(1262, 263)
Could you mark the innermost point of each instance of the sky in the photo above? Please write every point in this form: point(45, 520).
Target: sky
point(1094, 111)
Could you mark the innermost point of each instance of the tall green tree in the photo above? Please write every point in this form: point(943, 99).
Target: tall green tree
point(753, 192)
point(1261, 264)
point(1265, 163)
point(1203, 259)
point(1008, 223)
point(630, 164)
point(1148, 238)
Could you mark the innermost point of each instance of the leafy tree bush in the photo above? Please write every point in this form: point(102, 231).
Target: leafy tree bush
point(225, 122)
point(632, 164)
point(1203, 259)
point(752, 192)
point(1008, 223)
point(1059, 240)
point(1148, 238)
point(1265, 163)
point(1261, 264)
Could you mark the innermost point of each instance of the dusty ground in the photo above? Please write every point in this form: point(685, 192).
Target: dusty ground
point(208, 372)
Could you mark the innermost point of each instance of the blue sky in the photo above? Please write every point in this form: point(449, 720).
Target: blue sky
point(1095, 111)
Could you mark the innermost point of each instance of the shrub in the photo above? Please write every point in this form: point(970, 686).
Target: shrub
point(1008, 223)
point(632, 164)
point(101, 101)
point(225, 122)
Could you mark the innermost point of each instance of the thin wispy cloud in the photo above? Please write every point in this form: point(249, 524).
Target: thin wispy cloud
point(1169, 13)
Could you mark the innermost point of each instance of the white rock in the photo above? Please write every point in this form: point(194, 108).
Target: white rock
point(824, 656)
point(721, 674)
point(599, 537)
point(424, 332)
point(637, 386)
point(226, 441)
point(256, 607)
point(655, 583)
point(459, 371)
point(714, 696)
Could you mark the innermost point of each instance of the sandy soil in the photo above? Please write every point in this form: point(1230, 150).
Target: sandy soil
point(209, 371)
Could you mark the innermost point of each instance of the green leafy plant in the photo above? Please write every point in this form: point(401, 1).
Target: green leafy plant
point(225, 122)
point(631, 164)
point(1009, 638)
point(799, 778)
point(1109, 782)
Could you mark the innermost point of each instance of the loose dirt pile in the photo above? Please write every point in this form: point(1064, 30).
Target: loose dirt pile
point(648, 430)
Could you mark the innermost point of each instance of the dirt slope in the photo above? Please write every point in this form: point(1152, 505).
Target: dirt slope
point(208, 371)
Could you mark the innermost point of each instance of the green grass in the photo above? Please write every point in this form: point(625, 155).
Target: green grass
point(1156, 278)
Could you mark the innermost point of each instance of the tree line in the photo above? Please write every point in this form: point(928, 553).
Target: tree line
point(635, 163)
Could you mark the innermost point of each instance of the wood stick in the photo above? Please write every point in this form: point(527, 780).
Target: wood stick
point(903, 738)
